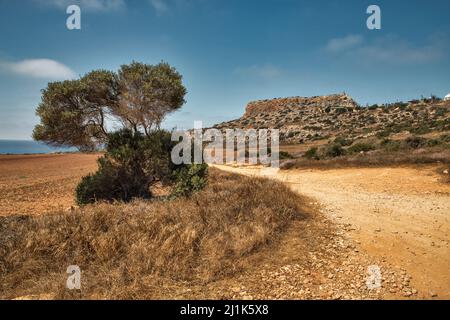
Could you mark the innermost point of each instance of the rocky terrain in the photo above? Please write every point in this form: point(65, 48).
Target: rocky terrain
point(307, 119)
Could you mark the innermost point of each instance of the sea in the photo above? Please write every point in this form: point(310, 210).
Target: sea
point(29, 147)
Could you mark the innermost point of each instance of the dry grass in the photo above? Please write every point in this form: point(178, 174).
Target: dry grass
point(135, 250)
point(376, 158)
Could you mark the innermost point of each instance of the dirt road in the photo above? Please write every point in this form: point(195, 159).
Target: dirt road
point(400, 215)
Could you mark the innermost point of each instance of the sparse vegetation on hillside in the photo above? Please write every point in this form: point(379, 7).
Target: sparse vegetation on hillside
point(361, 147)
point(134, 250)
point(312, 154)
point(283, 155)
point(376, 152)
point(303, 120)
point(334, 150)
point(372, 147)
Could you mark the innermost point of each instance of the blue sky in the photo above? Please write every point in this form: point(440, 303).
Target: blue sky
point(229, 51)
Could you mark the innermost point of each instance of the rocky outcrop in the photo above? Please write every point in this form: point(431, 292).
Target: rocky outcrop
point(322, 103)
point(306, 119)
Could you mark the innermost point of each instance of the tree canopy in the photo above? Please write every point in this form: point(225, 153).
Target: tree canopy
point(138, 97)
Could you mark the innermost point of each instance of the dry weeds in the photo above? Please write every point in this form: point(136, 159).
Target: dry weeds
point(376, 158)
point(198, 240)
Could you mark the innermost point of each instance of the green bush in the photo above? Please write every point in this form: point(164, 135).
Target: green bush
point(334, 150)
point(92, 187)
point(291, 134)
point(390, 145)
point(445, 137)
point(131, 164)
point(190, 179)
point(440, 112)
point(361, 147)
point(111, 183)
point(434, 142)
point(283, 155)
point(343, 141)
point(312, 154)
point(424, 129)
point(384, 133)
point(415, 142)
point(340, 110)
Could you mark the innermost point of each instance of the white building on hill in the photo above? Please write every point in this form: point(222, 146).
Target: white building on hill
point(447, 97)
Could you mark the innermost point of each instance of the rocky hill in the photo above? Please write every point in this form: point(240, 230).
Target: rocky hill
point(331, 102)
point(301, 119)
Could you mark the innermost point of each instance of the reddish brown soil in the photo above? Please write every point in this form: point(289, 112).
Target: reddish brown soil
point(36, 184)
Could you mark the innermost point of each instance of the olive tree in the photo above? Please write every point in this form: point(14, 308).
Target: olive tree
point(147, 94)
point(73, 113)
point(137, 154)
point(77, 112)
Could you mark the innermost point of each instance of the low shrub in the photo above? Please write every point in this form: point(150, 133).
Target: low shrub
point(445, 138)
point(340, 110)
point(391, 145)
point(312, 154)
point(440, 112)
point(343, 141)
point(361, 147)
point(414, 142)
point(334, 150)
point(190, 179)
point(111, 183)
point(421, 130)
point(384, 133)
point(131, 164)
point(434, 142)
point(283, 155)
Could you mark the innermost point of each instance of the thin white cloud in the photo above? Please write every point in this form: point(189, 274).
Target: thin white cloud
point(259, 71)
point(394, 49)
point(39, 68)
point(89, 5)
point(340, 44)
point(160, 6)
point(387, 49)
